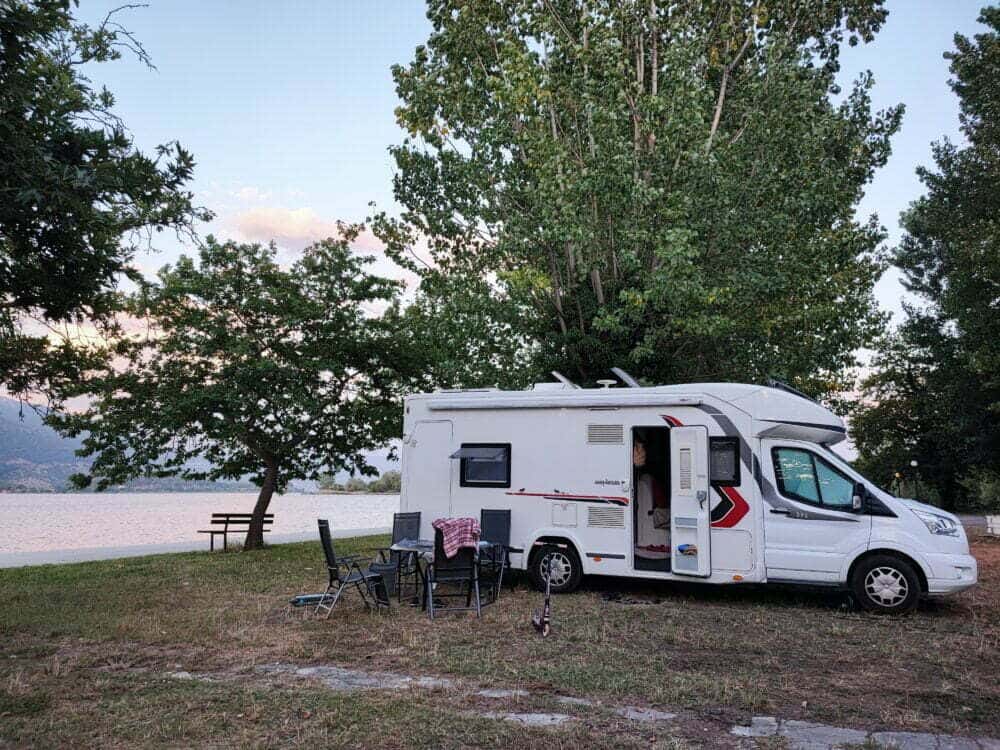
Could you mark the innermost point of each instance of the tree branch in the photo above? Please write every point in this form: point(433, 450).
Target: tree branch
point(722, 90)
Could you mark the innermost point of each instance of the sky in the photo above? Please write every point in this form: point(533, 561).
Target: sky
point(288, 106)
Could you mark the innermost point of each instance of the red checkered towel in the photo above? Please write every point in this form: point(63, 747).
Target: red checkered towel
point(457, 533)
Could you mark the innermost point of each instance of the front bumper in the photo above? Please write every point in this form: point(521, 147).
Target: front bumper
point(950, 574)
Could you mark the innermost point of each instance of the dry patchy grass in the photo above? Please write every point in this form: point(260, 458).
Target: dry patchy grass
point(722, 652)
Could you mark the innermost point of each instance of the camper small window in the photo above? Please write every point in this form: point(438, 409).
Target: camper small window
point(485, 468)
point(724, 464)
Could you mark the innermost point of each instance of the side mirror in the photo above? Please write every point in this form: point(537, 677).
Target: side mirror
point(859, 497)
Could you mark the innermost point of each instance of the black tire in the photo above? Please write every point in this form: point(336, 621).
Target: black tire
point(886, 584)
point(567, 573)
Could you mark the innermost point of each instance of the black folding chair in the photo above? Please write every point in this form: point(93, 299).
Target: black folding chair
point(495, 526)
point(404, 526)
point(345, 571)
point(461, 571)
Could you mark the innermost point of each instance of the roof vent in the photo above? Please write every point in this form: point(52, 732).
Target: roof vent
point(605, 434)
point(563, 379)
point(625, 377)
point(551, 387)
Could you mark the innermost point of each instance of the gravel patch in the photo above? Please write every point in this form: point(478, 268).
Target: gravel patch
point(804, 735)
point(644, 714)
point(346, 680)
point(529, 719)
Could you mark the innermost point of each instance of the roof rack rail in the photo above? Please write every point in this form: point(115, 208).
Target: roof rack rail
point(563, 379)
point(625, 377)
point(775, 383)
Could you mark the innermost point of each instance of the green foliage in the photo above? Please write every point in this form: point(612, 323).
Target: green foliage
point(936, 390)
point(470, 332)
point(664, 187)
point(233, 366)
point(388, 483)
point(79, 199)
point(983, 487)
point(920, 404)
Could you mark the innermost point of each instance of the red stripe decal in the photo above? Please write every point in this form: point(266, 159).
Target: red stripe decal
point(567, 496)
point(672, 421)
point(735, 515)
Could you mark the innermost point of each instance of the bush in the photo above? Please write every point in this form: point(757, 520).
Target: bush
point(983, 486)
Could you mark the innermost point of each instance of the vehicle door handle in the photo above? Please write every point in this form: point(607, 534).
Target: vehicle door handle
point(781, 511)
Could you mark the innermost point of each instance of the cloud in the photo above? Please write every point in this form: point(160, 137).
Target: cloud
point(294, 228)
point(290, 228)
point(251, 194)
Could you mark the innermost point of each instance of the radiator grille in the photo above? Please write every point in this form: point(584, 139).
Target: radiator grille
point(606, 518)
point(605, 434)
point(685, 468)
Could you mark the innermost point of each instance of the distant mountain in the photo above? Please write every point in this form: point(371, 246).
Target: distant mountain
point(35, 458)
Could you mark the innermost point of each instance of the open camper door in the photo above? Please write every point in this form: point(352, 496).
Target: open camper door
point(690, 508)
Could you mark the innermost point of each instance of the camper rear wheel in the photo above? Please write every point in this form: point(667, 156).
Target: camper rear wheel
point(567, 572)
point(886, 584)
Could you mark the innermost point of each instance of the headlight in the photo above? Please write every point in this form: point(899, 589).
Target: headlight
point(937, 524)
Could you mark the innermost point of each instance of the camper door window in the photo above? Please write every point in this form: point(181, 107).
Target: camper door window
point(806, 477)
point(485, 468)
point(724, 464)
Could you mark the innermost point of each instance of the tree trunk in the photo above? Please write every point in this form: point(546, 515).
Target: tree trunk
point(255, 534)
point(949, 492)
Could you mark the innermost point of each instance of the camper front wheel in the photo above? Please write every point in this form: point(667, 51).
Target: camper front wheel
point(886, 584)
point(566, 569)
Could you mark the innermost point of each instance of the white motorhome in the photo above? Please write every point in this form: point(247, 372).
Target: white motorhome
point(714, 482)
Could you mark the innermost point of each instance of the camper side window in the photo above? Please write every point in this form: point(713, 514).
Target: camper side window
point(485, 465)
point(724, 463)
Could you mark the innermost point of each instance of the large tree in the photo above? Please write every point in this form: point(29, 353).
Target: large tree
point(232, 366)
point(921, 402)
point(935, 392)
point(668, 187)
point(77, 198)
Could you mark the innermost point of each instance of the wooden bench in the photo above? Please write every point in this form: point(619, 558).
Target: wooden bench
point(232, 523)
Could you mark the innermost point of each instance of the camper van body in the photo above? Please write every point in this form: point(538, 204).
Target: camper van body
point(743, 504)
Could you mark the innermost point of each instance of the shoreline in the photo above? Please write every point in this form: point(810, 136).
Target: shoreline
point(90, 554)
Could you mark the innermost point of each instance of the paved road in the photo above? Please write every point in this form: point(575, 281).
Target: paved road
point(57, 556)
point(972, 522)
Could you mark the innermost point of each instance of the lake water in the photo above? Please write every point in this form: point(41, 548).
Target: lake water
point(51, 527)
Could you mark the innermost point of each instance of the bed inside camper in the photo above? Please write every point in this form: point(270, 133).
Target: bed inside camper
point(651, 498)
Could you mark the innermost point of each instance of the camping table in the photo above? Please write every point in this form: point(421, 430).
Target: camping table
point(424, 549)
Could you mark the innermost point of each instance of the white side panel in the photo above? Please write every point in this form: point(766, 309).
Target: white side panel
point(807, 541)
point(427, 472)
point(732, 549)
point(690, 515)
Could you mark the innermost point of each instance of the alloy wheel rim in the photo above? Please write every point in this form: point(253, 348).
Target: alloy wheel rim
point(560, 568)
point(886, 586)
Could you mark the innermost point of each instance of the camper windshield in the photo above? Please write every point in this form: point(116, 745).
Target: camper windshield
point(843, 463)
point(804, 476)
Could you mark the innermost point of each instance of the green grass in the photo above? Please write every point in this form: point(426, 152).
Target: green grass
point(724, 653)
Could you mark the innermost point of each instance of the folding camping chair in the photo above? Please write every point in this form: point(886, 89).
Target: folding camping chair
point(495, 526)
point(344, 572)
point(404, 526)
point(462, 570)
